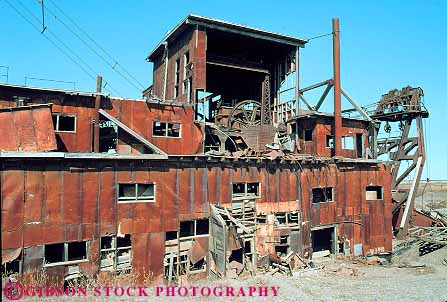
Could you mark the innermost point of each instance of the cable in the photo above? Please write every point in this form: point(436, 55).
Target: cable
point(317, 37)
point(112, 66)
point(116, 63)
point(69, 56)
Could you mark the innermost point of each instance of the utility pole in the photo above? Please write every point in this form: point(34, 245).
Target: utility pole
point(337, 87)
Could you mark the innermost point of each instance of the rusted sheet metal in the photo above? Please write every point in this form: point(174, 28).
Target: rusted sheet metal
point(28, 128)
point(9, 255)
point(198, 250)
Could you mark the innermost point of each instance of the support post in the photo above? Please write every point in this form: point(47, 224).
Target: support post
point(337, 87)
point(97, 107)
point(297, 80)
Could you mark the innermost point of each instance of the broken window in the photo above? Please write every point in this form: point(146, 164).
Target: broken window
point(307, 135)
point(261, 219)
point(64, 123)
point(195, 227)
point(322, 195)
point(330, 141)
point(374, 193)
point(179, 245)
point(177, 78)
point(138, 192)
point(246, 189)
point(282, 247)
point(65, 252)
point(287, 219)
point(13, 267)
point(108, 136)
point(347, 142)
point(166, 129)
point(116, 253)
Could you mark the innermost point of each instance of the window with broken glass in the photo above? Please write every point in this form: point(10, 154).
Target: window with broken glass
point(287, 219)
point(243, 190)
point(179, 244)
point(162, 129)
point(116, 253)
point(322, 195)
point(67, 252)
point(374, 193)
point(137, 192)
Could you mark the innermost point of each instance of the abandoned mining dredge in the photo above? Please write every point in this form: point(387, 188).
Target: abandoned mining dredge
point(225, 166)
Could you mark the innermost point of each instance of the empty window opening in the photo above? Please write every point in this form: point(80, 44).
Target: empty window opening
point(65, 252)
point(186, 228)
point(13, 267)
point(177, 78)
point(330, 141)
point(64, 123)
point(162, 129)
point(108, 136)
point(347, 142)
point(307, 135)
point(138, 192)
point(359, 144)
point(116, 253)
point(282, 247)
point(246, 189)
point(322, 195)
point(322, 240)
point(374, 193)
point(54, 253)
point(77, 251)
point(172, 235)
point(198, 266)
point(196, 227)
point(236, 255)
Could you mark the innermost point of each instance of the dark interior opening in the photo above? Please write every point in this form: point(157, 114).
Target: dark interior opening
point(54, 253)
point(106, 242)
point(171, 235)
point(202, 227)
point(198, 265)
point(323, 239)
point(12, 267)
point(123, 241)
point(77, 251)
point(322, 195)
point(374, 193)
point(186, 228)
point(359, 144)
point(108, 135)
point(236, 255)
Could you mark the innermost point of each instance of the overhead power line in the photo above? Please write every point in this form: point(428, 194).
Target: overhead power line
point(113, 64)
point(68, 52)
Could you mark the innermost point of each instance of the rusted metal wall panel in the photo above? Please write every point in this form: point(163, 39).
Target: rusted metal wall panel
point(27, 129)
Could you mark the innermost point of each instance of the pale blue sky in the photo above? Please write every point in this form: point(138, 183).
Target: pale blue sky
point(385, 45)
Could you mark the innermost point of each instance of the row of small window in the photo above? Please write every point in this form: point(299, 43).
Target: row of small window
point(327, 194)
point(115, 252)
point(347, 142)
point(67, 123)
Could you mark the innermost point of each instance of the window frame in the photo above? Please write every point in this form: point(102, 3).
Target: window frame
point(324, 188)
point(66, 261)
point(374, 199)
point(343, 142)
point(311, 135)
point(136, 199)
point(166, 129)
point(245, 194)
point(115, 249)
point(186, 61)
point(57, 115)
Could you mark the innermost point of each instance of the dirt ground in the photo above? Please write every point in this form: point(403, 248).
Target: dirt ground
point(347, 281)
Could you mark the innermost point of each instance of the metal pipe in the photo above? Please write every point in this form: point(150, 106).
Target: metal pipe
point(97, 107)
point(337, 87)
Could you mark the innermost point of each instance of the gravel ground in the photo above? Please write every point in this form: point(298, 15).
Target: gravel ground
point(337, 281)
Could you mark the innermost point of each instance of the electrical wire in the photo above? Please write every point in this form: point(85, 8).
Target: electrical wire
point(116, 63)
point(64, 51)
point(111, 65)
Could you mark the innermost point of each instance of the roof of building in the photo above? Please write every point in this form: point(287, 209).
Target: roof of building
point(56, 90)
point(195, 20)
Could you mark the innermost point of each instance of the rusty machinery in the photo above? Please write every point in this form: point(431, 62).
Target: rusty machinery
point(401, 108)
